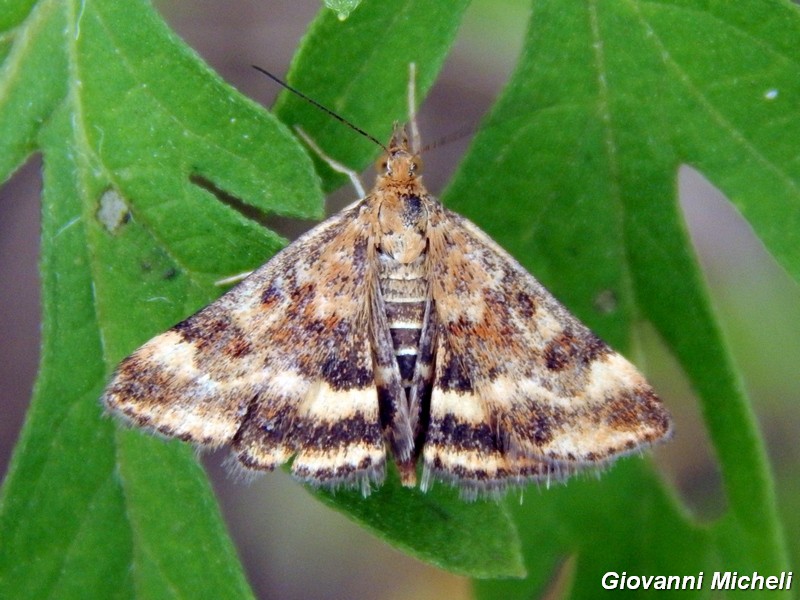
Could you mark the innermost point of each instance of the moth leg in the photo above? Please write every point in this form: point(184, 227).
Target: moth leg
point(333, 164)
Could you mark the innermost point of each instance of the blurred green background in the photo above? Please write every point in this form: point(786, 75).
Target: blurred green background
point(291, 545)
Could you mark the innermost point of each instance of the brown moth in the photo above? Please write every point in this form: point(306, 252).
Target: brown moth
point(394, 328)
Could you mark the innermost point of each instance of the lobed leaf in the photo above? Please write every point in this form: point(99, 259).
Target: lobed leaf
point(153, 170)
point(580, 157)
point(133, 238)
point(156, 172)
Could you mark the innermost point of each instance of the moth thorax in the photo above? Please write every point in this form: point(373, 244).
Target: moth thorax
point(404, 290)
point(403, 221)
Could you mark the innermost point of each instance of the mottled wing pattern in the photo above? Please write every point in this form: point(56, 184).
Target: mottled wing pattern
point(522, 390)
point(279, 366)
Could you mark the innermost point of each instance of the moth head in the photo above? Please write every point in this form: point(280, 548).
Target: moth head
point(399, 164)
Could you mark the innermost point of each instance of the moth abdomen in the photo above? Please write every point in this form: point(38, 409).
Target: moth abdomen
point(404, 288)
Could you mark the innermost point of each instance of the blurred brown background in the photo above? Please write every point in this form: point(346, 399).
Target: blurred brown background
point(292, 546)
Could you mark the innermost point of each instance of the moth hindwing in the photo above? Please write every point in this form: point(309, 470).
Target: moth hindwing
point(395, 328)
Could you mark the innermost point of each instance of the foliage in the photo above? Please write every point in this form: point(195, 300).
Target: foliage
point(579, 159)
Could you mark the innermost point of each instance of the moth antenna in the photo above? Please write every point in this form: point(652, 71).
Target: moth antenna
point(412, 107)
point(319, 106)
point(333, 164)
point(459, 133)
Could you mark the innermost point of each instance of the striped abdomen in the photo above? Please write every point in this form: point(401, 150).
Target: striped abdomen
point(404, 289)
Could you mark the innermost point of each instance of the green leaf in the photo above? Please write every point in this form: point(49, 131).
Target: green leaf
point(360, 70)
point(580, 158)
point(151, 164)
point(476, 539)
point(146, 180)
point(126, 116)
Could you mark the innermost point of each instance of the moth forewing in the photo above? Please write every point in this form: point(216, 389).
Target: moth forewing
point(523, 390)
point(279, 366)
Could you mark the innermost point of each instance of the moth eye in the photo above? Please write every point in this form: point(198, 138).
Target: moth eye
point(415, 166)
point(382, 165)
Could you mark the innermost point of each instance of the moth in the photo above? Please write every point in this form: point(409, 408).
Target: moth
point(394, 330)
